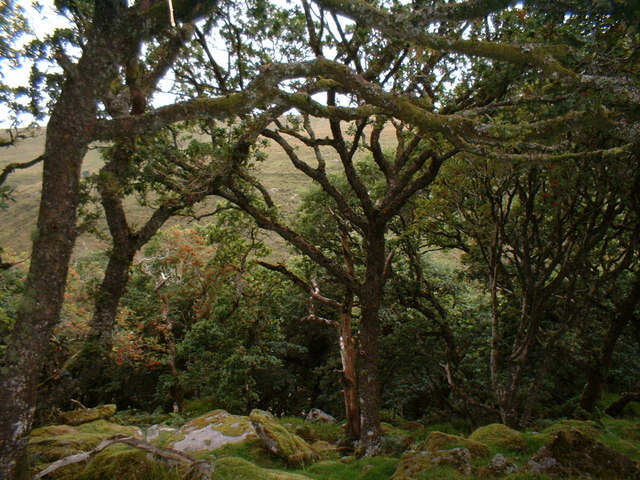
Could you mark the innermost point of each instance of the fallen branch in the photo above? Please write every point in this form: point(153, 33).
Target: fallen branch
point(198, 469)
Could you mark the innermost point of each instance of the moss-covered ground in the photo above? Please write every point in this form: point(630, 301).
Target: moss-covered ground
point(252, 461)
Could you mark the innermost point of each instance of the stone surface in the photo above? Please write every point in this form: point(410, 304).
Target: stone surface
point(573, 453)
point(86, 415)
point(500, 466)
point(211, 431)
point(316, 415)
point(154, 431)
point(412, 463)
point(279, 441)
point(443, 441)
point(499, 435)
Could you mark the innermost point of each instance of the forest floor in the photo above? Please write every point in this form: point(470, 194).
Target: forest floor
point(552, 449)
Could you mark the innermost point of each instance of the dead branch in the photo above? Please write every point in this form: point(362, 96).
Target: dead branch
point(18, 166)
point(198, 469)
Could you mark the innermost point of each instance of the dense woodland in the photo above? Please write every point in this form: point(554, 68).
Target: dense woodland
point(462, 244)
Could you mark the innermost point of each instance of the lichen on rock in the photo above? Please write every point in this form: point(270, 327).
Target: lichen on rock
point(211, 431)
point(279, 441)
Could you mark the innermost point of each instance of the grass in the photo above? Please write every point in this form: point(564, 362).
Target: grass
point(364, 469)
point(281, 179)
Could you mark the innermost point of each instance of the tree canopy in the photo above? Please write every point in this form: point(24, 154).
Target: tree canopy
point(508, 132)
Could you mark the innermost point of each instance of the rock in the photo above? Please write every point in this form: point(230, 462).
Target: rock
point(54, 442)
point(279, 441)
point(413, 462)
point(444, 441)
point(499, 466)
point(499, 435)
point(86, 415)
point(211, 431)
point(154, 431)
point(233, 468)
point(316, 415)
point(572, 453)
point(586, 427)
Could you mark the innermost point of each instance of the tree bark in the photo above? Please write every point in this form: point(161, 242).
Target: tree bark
point(597, 374)
point(349, 375)
point(368, 374)
point(66, 145)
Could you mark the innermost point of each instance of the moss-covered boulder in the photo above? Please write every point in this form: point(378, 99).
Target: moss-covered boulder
point(586, 427)
point(444, 441)
point(122, 462)
point(54, 442)
point(501, 436)
point(86, 415)
point(574, 454)
point(211, 431)
point(233, 468)
point(279, 441)
point(413, 463)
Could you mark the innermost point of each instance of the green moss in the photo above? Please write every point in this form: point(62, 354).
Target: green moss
point(500, 436)
point(363, 469)
point(327, 432)
point(417, 464)
point(210, 432)
point(103, 427)
point(230, 468)
point(84, 415)
point(586, 427)
point(51, 443)
point(253, 451)
point(444, 441)
point(280, 441)
point(440, 472)
point(130, 464)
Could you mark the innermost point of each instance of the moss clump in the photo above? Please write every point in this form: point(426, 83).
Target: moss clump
point(85, 415)
point(586, 427)
point(444, 441)
point(572, 453)
point(51, 443)
point(130, 464)
point(231, 468)
point(500, 436)
point(278, 440)
point(414, 464)
point(378, 468)
point(311, 432)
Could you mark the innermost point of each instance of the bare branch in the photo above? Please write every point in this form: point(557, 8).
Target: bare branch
point(176, 455)
point(12, 167)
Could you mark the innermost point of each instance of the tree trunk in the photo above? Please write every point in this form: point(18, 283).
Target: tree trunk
point(368, 371)
point(597, 374)
point(93, 361)
point(349, 376)
point(66, 145)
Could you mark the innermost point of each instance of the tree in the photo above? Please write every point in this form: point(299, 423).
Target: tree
point(412, 49)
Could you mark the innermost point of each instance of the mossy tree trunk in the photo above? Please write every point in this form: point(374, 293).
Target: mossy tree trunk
point(66, 145)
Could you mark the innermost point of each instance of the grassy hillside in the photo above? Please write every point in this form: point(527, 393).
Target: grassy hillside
point(282, 180)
